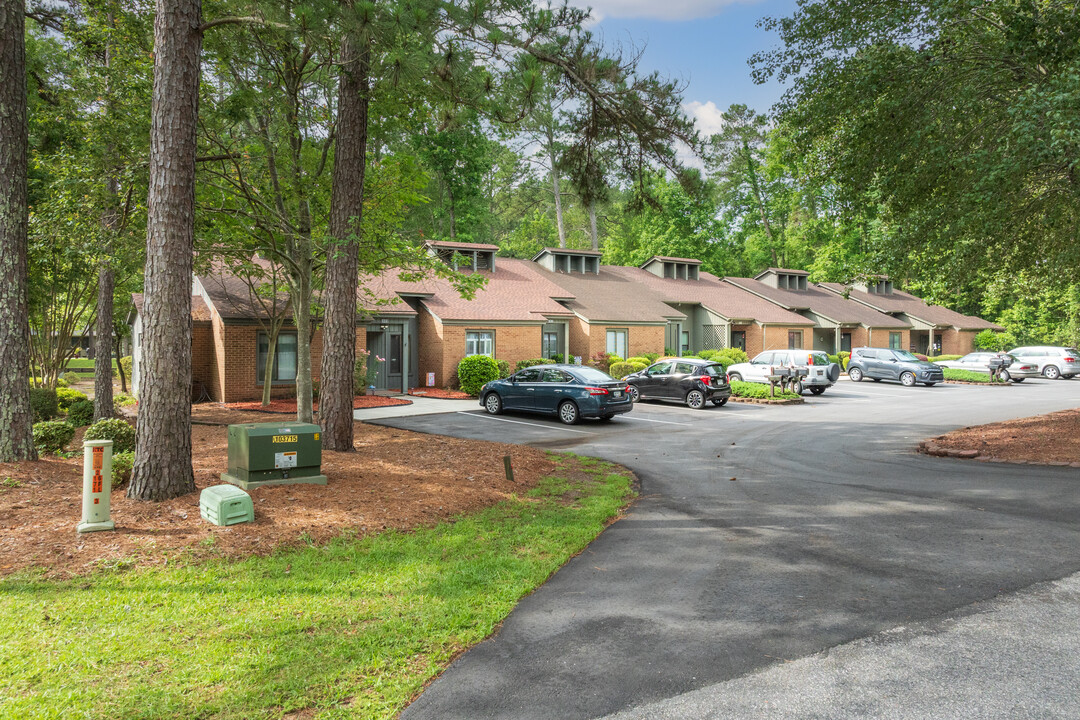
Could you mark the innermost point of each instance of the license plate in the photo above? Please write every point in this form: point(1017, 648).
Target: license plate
point(616, 393)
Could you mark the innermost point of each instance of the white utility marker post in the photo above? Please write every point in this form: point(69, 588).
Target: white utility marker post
point(97, 486)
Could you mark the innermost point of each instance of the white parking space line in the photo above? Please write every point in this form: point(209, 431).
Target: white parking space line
point(641, 419)
point(519, 422)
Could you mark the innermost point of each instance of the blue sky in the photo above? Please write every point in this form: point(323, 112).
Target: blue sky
point(704, 43)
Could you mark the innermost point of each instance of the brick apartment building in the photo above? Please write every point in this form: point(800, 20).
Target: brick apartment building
point(561, 303)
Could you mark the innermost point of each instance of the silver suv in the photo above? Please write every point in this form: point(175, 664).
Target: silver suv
point(821, 373)
point(1053, 362)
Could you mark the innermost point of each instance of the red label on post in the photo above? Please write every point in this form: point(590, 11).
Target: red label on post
point(96, 487)
point(99, 458)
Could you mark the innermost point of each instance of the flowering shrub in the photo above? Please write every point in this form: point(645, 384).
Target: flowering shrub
point(365, 371)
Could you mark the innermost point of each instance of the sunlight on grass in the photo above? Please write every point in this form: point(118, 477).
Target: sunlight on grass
point(352, 629)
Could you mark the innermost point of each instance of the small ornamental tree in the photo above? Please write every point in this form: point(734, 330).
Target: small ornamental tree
point(476, 370)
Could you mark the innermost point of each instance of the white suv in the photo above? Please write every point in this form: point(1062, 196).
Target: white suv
point(822, 373)
point(1053, 362)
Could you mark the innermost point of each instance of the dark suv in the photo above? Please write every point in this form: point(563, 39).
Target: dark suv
point(883, 364)
point(689, 380)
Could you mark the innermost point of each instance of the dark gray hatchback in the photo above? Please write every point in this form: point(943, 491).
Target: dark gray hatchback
point(570, 391)
point(689, 380)
point(883, 364)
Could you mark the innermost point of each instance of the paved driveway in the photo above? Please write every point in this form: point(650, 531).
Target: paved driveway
point(765, 535)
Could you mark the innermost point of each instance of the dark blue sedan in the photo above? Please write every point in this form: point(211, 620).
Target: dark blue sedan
point(569, 391)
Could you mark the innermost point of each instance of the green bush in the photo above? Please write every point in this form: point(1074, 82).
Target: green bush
point(359, 376)
point(504, 369)
point(126, 363)
point(522, 364)
point(997, 341)
point(122, 462)
point(967, 376)
point(946, 358)
point(651, 357)
point(638, 359)
point(51, 436)
point(81, 413)
point(115, 429)
point(730, 356)
point(43, 404)
point(557, 358)
point(71, 378)
point(622, 369)
point(66, 396)
point(756, 390)
point(844, 356)
point(61, 382)
point(476, 370)
point(708, 354)
point(124, 400)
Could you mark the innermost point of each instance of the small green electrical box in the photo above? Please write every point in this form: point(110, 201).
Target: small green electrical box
point(274, 454)
point(226, 505)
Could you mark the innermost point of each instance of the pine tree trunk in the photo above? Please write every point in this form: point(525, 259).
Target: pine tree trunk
point(16, 419)
point(346, 209)
point(163, 433)
point(103, 384)
point(558, 192)
point(592, 226)
point(120, 365)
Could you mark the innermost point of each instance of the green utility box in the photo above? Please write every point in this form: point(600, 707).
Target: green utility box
point(274, 454)
point(226, 505)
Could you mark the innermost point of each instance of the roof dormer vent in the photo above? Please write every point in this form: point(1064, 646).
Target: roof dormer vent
point(562, 260)
point(465, 256)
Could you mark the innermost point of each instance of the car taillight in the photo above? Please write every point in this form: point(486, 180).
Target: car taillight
point(1069, 359)
point(597, 391)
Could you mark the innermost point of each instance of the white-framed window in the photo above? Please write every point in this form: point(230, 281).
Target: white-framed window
point(480, 342)
point(284, 369)
point(617, 343)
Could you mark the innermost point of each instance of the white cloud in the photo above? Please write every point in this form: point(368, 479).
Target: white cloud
point(707, 117)
point(673, 10)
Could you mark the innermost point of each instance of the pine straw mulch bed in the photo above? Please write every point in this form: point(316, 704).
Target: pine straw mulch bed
point(1052, 439)
point(440, 393)
point(288, 405)
point(396, 479)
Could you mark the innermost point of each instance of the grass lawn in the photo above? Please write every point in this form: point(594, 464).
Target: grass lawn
point(84, 363)
point(967, 376)
point(350, 629)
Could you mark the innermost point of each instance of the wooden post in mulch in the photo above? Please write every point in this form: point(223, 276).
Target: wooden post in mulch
point(508, 468)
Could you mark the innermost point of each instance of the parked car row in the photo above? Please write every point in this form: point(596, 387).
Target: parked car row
point(572, 392)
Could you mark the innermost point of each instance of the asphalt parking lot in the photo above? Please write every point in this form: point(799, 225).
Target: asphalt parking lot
point(769, 535)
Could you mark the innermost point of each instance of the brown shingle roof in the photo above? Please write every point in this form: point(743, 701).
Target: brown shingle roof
point(515, 291)
point(448, 245)
point(786, 271)
point(727, 300)
point(568, 251)
point(821, 302)
point(612, 297)
point(902, 302)
point(668, 258)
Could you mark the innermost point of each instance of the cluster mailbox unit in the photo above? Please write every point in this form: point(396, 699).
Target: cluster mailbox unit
point(274, 454)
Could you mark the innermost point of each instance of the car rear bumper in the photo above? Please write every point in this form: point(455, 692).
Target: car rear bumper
point(608, 409)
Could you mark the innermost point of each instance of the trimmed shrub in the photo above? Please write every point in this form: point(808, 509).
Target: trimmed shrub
point(622, 369)
point(71, 378)
point(844, 356)
point(123, 400)
point(66, 396)
point(834, 359)
point(522, 364)
point(43, 404)
point(756, 390)
point(115, 429)
point(51, 436)
point(122, 462)
point(638, 359)
point(504, 369)
point(61, 382)
point(557, 358)
point(940, 358)
point(968, 376)
point(603, 360)
point(81, 413)
point(651, 357)
point(126, 363)
point(476, 370)
point(708, 354)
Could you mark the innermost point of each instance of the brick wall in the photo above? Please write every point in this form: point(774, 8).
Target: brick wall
point(753, 337)
point(443, 346)
point(431, 349)
point(957, 342)
point(878, 337)
point(587, 340)
point(203, 358)
point(240, 352)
